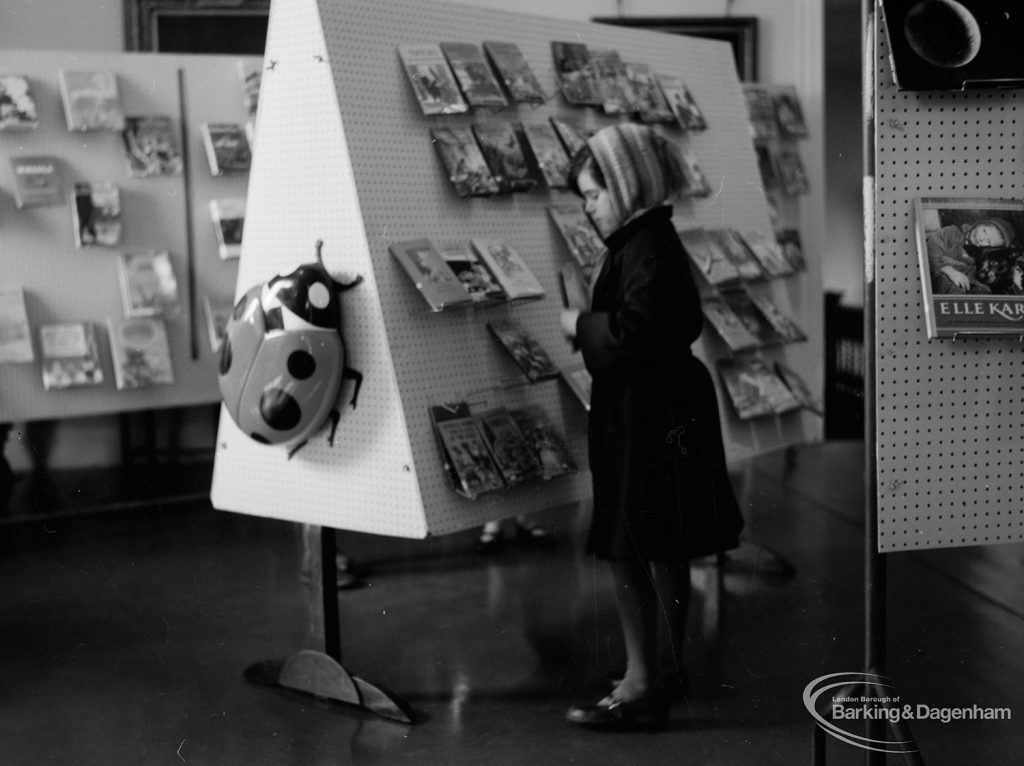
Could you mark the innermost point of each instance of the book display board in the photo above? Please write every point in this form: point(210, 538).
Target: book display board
point(346, 155)
point(948, 413)
point(63, 283)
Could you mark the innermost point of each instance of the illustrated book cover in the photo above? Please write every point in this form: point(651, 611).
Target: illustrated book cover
point(17, 103)
point(15, 334)
point(148, 284)
point(227, 147)
point(792, 247)
point(571, 137)
point(38, 181)
point(474, 275)
point(972, 270)
point(744, 261)
point(741, 304)
point(228, 217)
point(508, 267)
point(799, 388)
point(681, 102)
point(524, 349)
point(582, 240)
point(754, 389)
point(709, 257)
point(151, 146)
point(500, 145)
point(577, 377)
point(512, 454)
point(545, 441)
point(475, 78)
point(431, 79)
point(547, 153)
point(91, 100)
point(789, 113)
point(217, 309)
point(650, 99)
point(573, 285)
point(767, 167)
point(141, 352)
point(468, 465)
point(783, 324)
point(516, 75)
point(697, 184)
point(96, 214)
point(767, 252)
point(575, 75)
point(250, 77)
point(760, 112)
point(728, 326)
point(791, 172)
point(70, 355)
point(427, 270)
point(463, 161)
point(685, 110)
point(613, 84)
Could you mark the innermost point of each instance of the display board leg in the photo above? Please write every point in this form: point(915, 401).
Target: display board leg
point(321, 673)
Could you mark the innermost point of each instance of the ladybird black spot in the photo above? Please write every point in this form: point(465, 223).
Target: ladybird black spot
point(301, 364)
point(279, 409)
point(259, 438)
point(225, 357)
point(240, 308)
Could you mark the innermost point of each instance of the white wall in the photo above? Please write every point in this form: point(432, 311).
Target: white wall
point(791, 51)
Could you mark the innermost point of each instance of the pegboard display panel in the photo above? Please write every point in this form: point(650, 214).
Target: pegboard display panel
point(63, 284)
point(948, 411)
point(392, 188)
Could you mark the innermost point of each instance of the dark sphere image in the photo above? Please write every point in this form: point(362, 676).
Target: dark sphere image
point(943, 33)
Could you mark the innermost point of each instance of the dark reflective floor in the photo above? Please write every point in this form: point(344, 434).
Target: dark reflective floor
point(124, 636)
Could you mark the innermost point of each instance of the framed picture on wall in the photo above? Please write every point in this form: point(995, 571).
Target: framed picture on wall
point(196, 26)
point(739, 31)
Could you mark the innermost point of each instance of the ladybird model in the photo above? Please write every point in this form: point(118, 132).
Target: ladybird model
point(282, 363)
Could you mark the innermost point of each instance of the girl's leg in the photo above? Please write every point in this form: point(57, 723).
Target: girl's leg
point(637, 603)
point(672, 584)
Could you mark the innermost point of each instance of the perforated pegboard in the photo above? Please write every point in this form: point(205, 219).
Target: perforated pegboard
point(63, 284)
point(949, 419)
point(350, 159)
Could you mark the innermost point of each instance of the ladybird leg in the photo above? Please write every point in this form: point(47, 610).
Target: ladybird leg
point(335, 417)
point(296, 448)
point(345, 286)
point(347, 373)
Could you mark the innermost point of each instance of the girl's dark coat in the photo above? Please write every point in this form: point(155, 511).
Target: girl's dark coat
point(661, 489)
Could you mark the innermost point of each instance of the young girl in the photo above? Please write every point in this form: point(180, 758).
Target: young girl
point(661, 490)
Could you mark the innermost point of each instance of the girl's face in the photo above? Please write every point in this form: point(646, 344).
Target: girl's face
point(597, 203)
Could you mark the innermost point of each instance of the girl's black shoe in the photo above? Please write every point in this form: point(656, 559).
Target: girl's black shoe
point(647, 713)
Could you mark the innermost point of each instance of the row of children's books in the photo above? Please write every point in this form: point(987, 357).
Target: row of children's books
point(725, 256)
point(774, 112)
point(756, 388)
point(746, 321)
point(70, 355)
point(461, 274)
point(92, 100)
point(502, 157)
point(499, 448)
point(452, 78)
point(96, 205)
point(151, 149)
